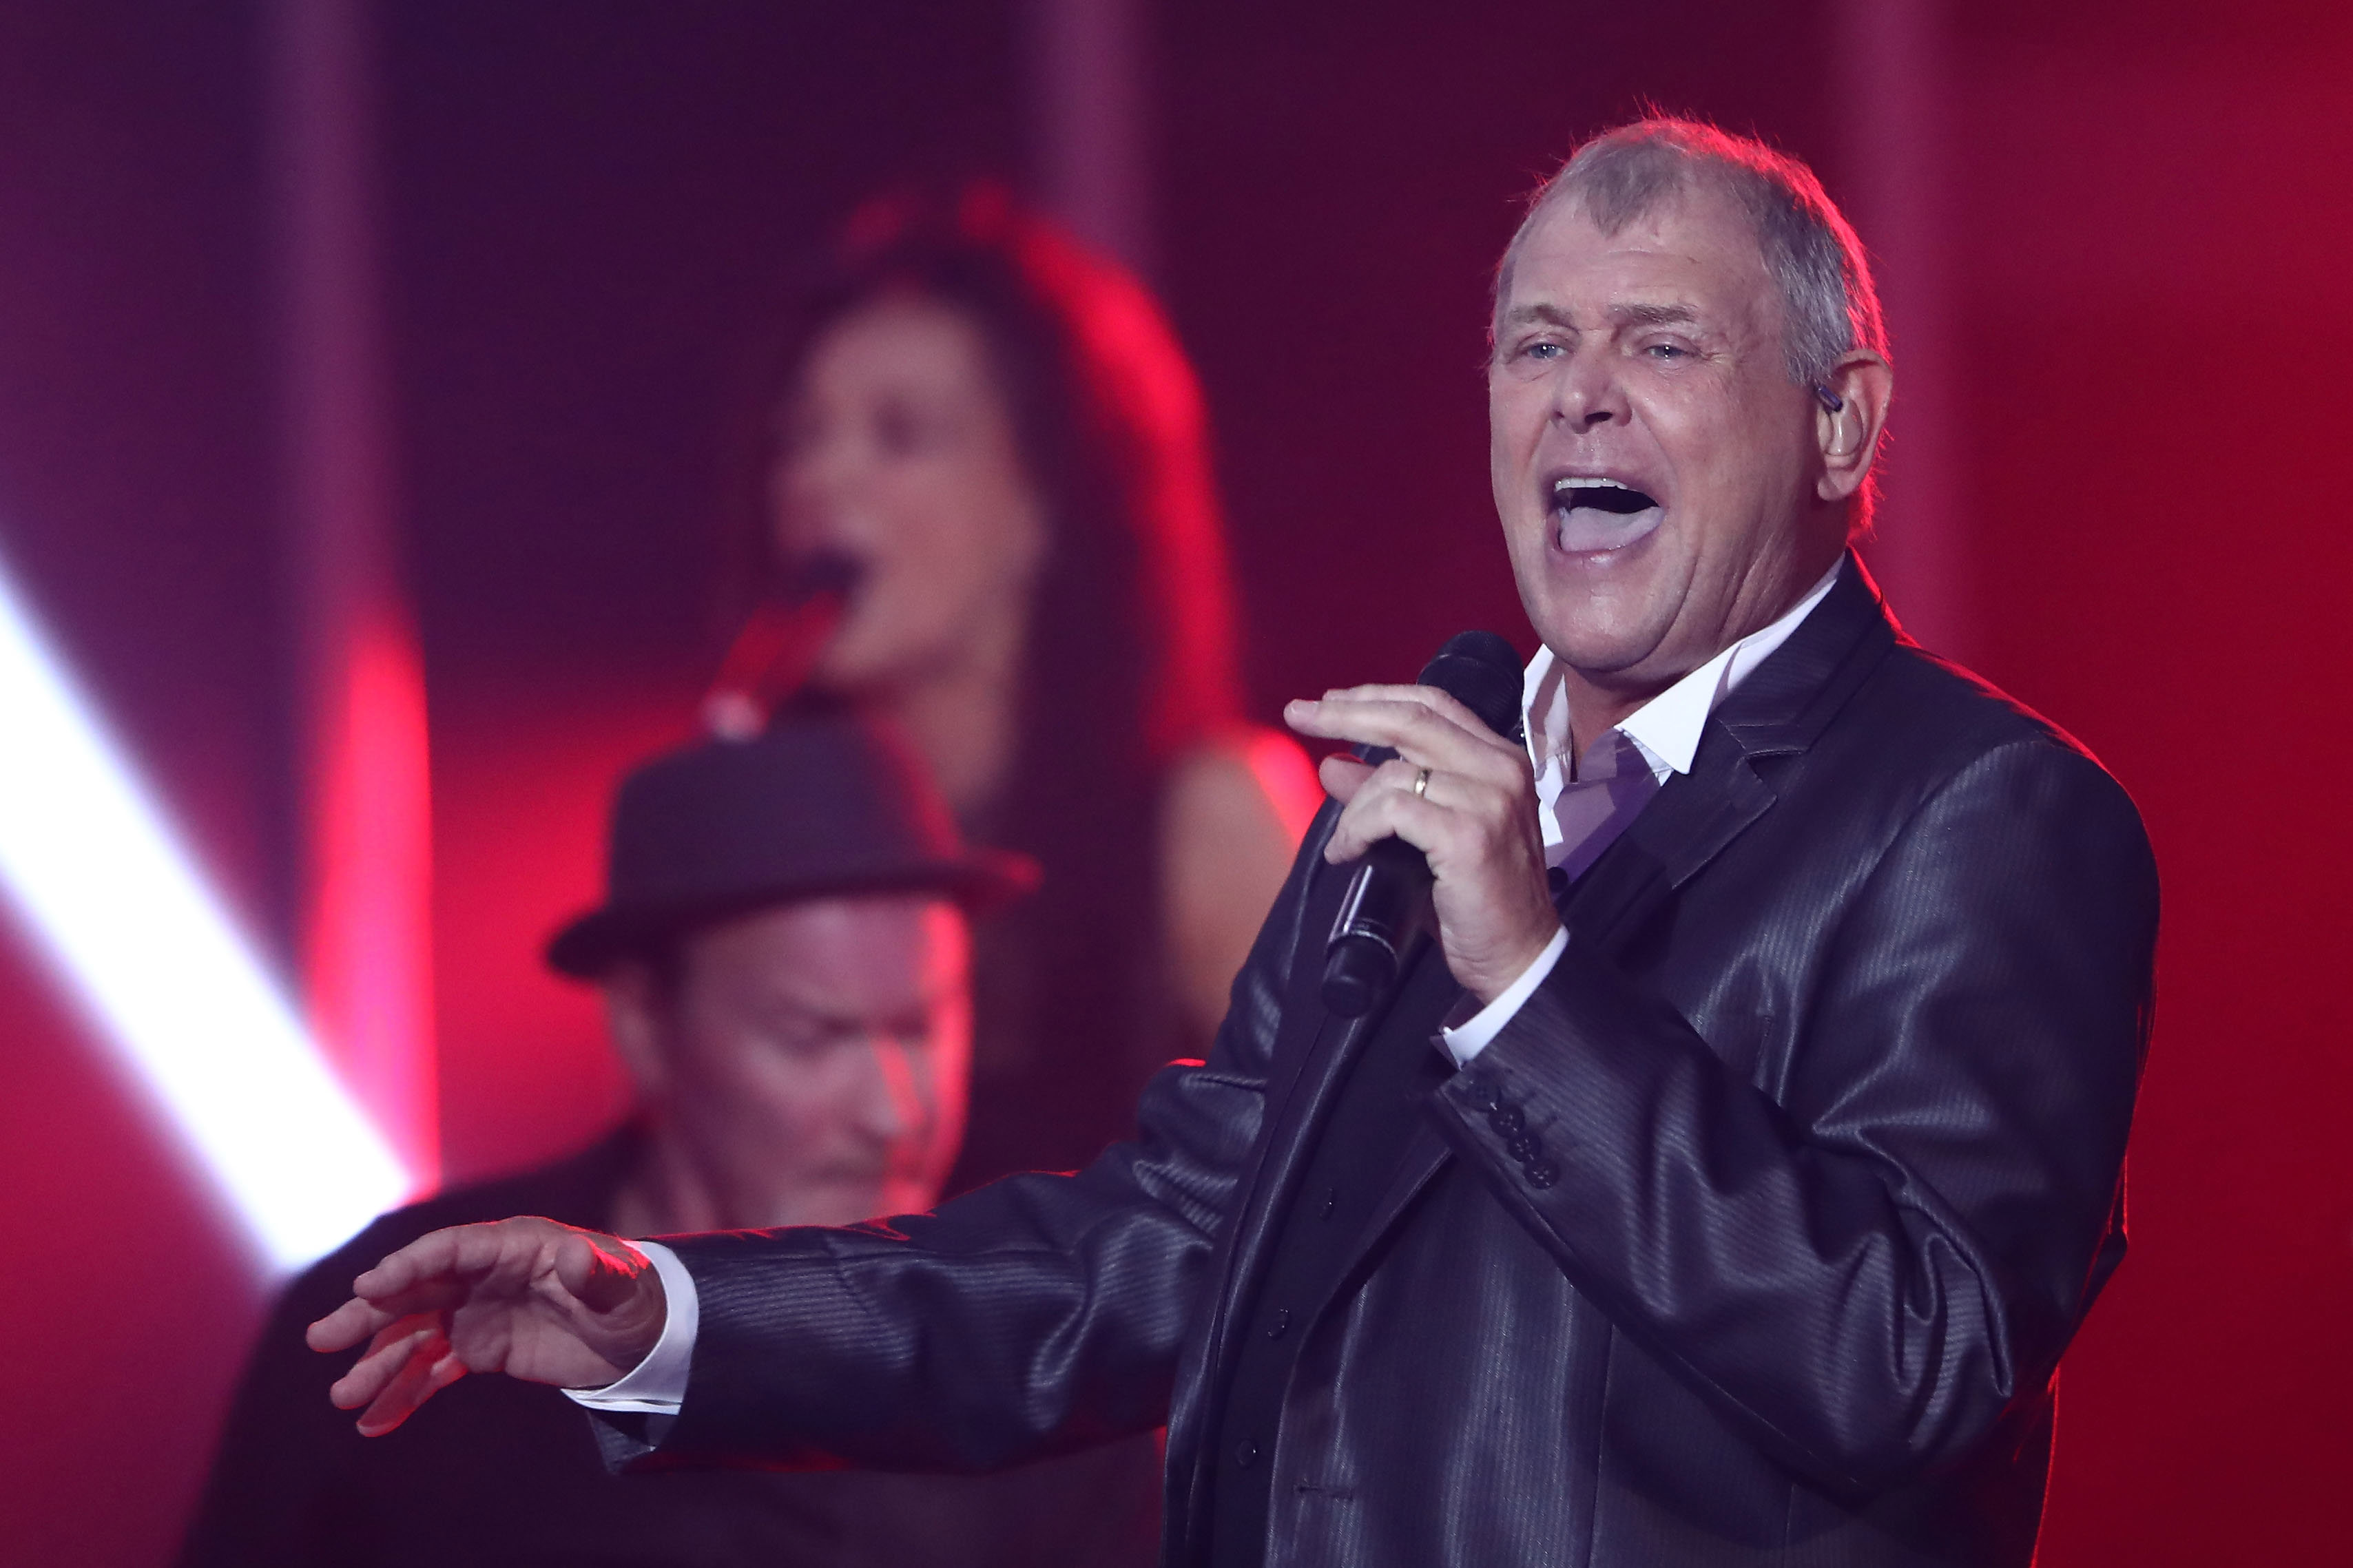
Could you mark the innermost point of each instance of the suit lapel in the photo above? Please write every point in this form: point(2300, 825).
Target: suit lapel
point(1689, 822)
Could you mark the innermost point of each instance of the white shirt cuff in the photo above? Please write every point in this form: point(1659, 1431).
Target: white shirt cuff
point(655, 1385)
point(1467, 1040)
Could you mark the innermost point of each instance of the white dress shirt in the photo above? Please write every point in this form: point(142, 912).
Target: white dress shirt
point(1583, 803)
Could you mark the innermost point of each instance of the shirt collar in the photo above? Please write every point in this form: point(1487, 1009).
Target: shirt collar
point(1668, 727)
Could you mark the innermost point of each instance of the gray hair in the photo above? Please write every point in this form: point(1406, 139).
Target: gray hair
point(1809, 251)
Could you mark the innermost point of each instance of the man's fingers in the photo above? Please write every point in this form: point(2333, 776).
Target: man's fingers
point(1439, 743)
point(1450, 813)
point(461, 1253)
point(430, 1368)
point(387, 1354)
point(1429, 699)
point(430, 1256)
point(599, 1277)
point(1420, 723)
point(436, 1272)
point(1342, 775)
point(1434, 697)
point(346, 1326)
point(410, 1387)
point(1385, 807)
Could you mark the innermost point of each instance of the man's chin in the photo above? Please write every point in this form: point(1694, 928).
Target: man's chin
point(843, 1202)
point(1609, 665)
point(1602, 629)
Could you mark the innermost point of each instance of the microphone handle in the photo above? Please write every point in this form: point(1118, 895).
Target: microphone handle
point(1383, 916)
point(1384, 911)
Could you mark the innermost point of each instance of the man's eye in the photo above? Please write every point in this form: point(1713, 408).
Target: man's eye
point(1542, 351)
point(1667, 353)
point(789, 1028)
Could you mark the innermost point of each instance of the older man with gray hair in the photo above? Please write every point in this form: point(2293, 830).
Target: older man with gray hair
point(1723, 1183)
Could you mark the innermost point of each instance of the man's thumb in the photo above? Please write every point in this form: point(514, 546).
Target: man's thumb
point(601, 1278)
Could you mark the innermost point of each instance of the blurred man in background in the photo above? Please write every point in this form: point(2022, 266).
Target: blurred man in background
point(783, 953)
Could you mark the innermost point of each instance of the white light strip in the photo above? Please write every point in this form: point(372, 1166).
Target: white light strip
point(155, 958)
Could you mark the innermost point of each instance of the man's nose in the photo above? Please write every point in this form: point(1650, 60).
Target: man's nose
point(892, 1102)
point(1587, 390)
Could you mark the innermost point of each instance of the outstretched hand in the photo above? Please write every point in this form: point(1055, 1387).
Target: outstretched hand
point(532, 1298)
point(1474, 818)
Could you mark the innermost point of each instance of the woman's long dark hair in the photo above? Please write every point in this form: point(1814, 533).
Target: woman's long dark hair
point(1129, 655)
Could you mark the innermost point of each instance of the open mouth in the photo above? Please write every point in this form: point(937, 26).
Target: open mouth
point(1595, 514)
point(811, 573)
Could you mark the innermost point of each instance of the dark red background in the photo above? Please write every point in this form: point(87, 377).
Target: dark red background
point(2148, 209)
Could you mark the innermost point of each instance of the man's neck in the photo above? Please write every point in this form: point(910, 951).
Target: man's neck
point(1599, 704)
point(1594, 710)
point(663, 1193)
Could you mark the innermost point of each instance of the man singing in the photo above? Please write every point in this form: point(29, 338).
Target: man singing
point(1721, 1187)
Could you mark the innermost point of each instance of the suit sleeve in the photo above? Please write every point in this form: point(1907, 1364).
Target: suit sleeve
point(1037, 1315)
point(1867, 1267)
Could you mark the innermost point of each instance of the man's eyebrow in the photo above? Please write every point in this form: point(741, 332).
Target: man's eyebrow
point(1620, 315)
point(1551, 316)
point(1653, 315)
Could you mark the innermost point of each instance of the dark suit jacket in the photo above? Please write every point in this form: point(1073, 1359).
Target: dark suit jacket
point(507, 1474)
point(1828, 1099)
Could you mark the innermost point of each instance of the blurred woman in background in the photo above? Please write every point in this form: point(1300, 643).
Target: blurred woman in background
point(998, 436)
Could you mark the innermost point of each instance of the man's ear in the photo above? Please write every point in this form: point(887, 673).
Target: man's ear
point(1861, 385)
point(637, 1017)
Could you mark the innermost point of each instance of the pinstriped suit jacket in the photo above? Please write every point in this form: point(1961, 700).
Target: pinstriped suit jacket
point(1829, 1095)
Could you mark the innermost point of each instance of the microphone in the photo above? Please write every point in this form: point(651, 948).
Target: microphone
point(1386, 906)
point(779, 643)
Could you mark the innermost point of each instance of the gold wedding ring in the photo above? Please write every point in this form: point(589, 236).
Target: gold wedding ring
point(1422, 785)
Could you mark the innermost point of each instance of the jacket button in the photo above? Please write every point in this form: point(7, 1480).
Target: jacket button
point(1275, 1330)
point(1485, 1097)
point(1245, 1454)
point(1526, 1147)
point(1543, 1173)
point(1507, 1122)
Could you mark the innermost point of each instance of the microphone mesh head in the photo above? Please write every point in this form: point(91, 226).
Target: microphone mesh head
point(1482, 671)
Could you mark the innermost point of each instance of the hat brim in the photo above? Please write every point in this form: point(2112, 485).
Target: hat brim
point(588, 947)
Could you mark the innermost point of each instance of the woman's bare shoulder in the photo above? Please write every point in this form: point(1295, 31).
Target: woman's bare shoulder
point(1247, 781)
point(1235, 811)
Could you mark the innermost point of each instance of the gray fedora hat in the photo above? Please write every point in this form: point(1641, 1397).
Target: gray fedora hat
point(829, 803)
